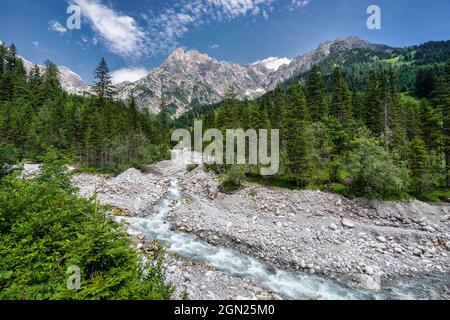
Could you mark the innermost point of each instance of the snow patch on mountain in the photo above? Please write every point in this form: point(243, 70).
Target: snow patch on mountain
point(70, 81)
point(273, 63)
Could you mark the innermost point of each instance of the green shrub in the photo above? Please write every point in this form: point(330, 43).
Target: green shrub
point(45, 228)
point(191, 167)
point(373, 172)
point(8, 156)
point(232, 180)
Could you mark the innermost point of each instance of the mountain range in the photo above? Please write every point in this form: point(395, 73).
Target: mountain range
point(190, 78)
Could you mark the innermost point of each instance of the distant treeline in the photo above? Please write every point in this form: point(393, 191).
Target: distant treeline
point(35, 114)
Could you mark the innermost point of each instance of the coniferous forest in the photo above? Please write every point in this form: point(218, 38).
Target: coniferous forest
point(351, 129)
point(45, 228)
point(93, 130)
point(367, 130)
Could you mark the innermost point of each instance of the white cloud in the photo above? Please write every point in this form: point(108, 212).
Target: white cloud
point(215, 46)
point(35, 44)
point(300, 3)
point(230, 9)
point(56, 27)
point(172, 23)
point(120, 33)
point(128, 74)
point(123, 35)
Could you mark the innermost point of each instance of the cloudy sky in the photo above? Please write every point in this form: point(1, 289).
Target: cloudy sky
point(137, 35)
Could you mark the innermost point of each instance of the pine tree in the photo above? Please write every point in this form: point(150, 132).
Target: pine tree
point(230, 110)
point(430, 125)
point(396, 113)
point(35, 79)
point(420, 170)
point(164, 121)
point(299, 159)
point(316, 94)
point(374, 105)
point(103, 86)
point(257, 117)
point(134, 112)
point(51, 86)
point(341, 103)
point(441, 98)
point(11, 59)
point(279, 110)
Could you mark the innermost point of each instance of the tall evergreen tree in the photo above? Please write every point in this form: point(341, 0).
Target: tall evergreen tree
point(442, 101)
point(103, 86)
point(374, 105)
point(341, 103)
point(298, 152)
point(420, 169)
point(279, 111)
point(316, 94)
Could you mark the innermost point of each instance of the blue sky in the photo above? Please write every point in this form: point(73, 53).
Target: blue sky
point(137, 35)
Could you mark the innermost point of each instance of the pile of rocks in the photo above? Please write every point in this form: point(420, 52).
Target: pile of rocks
point(318, 232)
point(133, 191)
point(359, 242)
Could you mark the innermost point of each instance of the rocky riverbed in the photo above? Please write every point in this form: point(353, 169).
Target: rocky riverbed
point(367, 245)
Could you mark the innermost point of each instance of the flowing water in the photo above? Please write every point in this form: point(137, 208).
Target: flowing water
point(285, 283)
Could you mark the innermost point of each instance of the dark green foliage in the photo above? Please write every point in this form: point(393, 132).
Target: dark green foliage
point(373, 141)
point(373, 171)
point(298, 150)
point(103, 86)
point(432, 52)
point(45, 229)
point(191, 167)
point(316, 94)
point(422, 181)
point(35, 114)
point(341, 102)
point(8, 157)
point(441, 98)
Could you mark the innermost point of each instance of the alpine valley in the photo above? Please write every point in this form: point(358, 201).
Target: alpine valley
point(188, 79)
point(93, 190)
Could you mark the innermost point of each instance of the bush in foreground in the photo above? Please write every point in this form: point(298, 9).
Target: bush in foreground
point(45, 228)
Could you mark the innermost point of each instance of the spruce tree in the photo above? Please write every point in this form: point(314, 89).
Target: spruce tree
point(279, 110)
point(316, 94)
point(441, 98)
point(299, 158)
point(419, 164)
point(103, 86)
point(51, 86)
point(11, 59)
point(374, 105)
point(341, 103)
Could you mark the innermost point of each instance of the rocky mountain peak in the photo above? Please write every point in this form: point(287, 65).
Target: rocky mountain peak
point(189, 78)
point(187, 57)
point(177, 54)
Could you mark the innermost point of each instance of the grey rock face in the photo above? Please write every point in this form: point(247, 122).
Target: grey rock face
point(189, 78)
